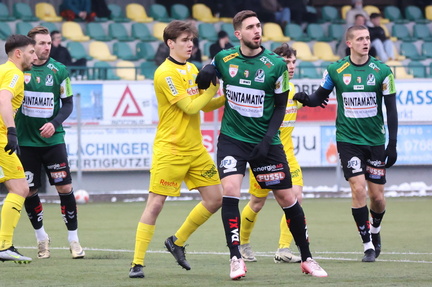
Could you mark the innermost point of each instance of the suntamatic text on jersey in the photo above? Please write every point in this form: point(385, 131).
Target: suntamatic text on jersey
point(244, 98)
point(38, 101)
point(360, 101)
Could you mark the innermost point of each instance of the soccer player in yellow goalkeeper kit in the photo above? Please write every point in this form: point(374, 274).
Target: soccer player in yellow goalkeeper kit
point(259, 195)
point(21, 56)
point(178, 151)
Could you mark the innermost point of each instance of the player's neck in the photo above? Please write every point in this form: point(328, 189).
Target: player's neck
point(248, 52)
point(40, 62)
point(177, 59)
point(359, 59)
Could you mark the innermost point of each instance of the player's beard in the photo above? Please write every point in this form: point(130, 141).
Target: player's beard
point(43, 57)
point(27, 67)
point(252, 45)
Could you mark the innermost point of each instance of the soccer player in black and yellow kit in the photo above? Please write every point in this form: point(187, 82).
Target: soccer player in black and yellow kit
point(178, 151)
point(363, 84)
point(21, 55)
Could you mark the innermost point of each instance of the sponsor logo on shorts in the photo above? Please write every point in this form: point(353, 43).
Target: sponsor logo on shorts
point(295, 173)
point(272, 167)
point(229, 164)
point(57, 166)
point(271, 178)
point(29, 177)
point(355, 164)
point(375, 173)
point(58, 176)
point(209, 172)
point(376, 163)
point(168, 183)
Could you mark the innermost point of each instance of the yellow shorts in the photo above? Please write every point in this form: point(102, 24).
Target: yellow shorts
point(168, 171)
point(296, 178)
point(10, 166)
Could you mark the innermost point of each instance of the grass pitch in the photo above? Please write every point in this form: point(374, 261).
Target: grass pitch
point(107, 233)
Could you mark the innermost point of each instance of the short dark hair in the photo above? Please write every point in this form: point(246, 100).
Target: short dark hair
point(54, 32)
point(375, 15)
point(240, 16)
point(177, 27)
point(38, 30)
point(17, 41)
point(285, 50)
point(222, 34)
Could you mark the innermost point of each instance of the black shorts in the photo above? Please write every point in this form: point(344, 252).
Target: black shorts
point(233, 155)
point(53, 159)
point(362, 159)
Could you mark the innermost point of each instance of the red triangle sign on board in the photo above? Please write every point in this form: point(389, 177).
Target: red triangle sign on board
point(127, 106)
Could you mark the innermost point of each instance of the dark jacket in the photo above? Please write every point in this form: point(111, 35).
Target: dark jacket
point(377, 33)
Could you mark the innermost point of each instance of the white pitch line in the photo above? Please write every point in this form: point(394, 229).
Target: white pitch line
point(262, 254)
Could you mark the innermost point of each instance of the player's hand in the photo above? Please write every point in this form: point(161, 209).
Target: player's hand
point(391, 153)
point(47, 130)
point(302, 97)
point(12, 141)
point(205, 76)
point(260, 151)
point(324, 103)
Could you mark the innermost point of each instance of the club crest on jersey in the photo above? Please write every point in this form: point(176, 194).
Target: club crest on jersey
point(370, 80)
point(233, 69)
point(347, 78)
point(49, 81)
point(27, 78)
point(259, 76)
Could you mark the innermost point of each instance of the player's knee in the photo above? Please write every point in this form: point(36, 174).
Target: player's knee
point(256, 203)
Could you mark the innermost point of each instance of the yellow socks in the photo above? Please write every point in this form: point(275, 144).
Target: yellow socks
point(248, 218)
point(195, 219)
point(10, 215)
point(143, 237)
